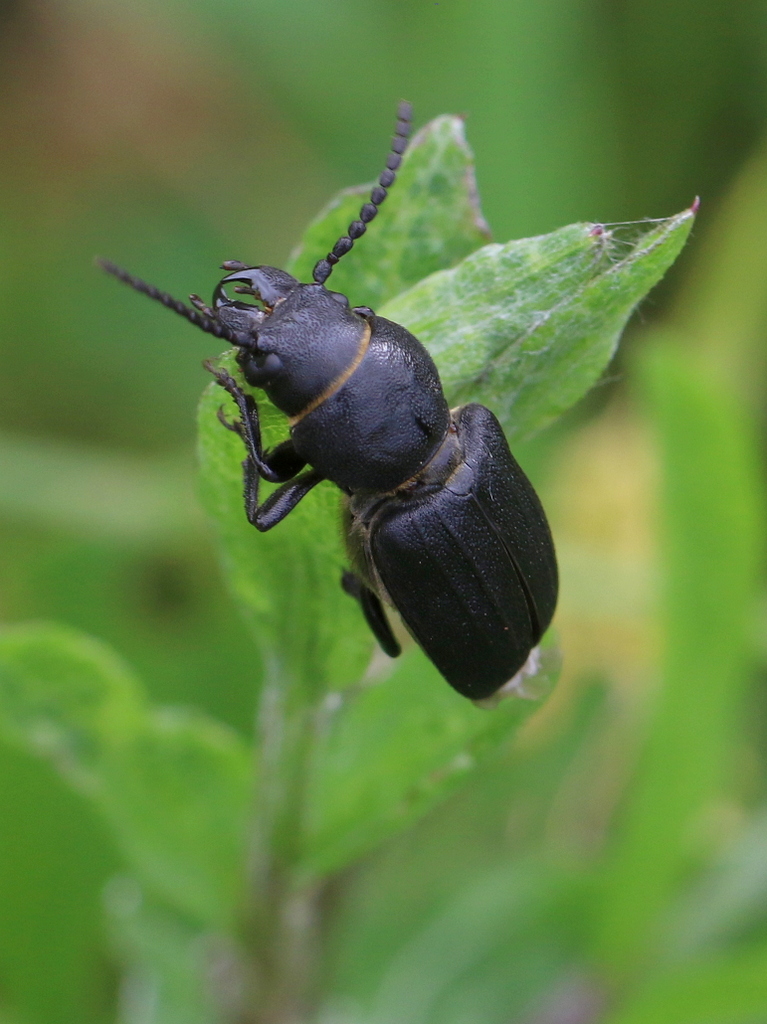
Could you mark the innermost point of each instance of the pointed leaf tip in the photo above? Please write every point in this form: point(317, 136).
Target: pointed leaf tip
point(528, 327)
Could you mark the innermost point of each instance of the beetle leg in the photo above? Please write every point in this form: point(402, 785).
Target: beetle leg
point(285, 464)
point(249, 427)
point(374, 613)
point(278, 465)
point(281, 502)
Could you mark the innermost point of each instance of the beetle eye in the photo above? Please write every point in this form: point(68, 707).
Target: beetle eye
point(268, 361)
point(261, 368)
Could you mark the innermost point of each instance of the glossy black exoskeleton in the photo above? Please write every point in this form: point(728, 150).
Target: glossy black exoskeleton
point(442, 524)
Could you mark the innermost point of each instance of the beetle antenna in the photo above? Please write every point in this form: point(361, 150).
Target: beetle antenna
point(357, 228)
point(198, 319)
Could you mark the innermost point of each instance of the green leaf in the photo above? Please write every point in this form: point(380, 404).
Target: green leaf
point(178, 797)
point(67, 697)
point(174, 786)
point(530, 324)
point(528, 327)
point(387, 751)
point(431, 221)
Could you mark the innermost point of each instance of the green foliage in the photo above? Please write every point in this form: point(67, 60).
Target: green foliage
point(730, 989)
point(410, 731)
point(174, 786)
point(712, 505)
point(554, 883)
point(168, 961)
point(513, 916)
point(237, 852)
point(310, 634)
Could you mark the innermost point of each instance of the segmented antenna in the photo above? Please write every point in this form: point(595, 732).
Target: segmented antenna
point(357, 228)
point(213, 327)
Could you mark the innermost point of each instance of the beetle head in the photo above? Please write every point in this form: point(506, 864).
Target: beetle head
point(270, 286)
point(296, 341)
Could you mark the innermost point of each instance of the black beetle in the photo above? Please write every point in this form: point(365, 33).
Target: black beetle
point(441, 522)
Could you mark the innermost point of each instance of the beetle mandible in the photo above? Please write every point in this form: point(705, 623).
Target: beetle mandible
point(441, 522)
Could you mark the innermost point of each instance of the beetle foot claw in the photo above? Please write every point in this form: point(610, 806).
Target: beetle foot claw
point(234, 425)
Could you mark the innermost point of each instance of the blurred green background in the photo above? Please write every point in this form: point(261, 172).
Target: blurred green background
point(174, 134)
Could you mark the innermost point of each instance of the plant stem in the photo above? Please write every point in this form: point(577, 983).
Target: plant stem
point(284, 925)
